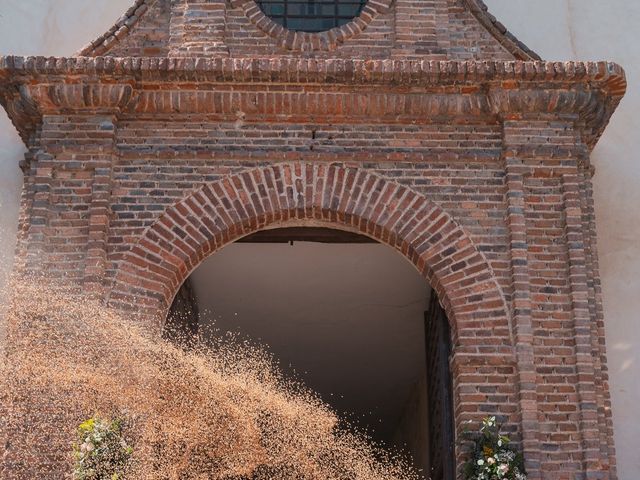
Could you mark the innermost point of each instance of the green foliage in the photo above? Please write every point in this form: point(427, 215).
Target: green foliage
point(493, 457)
point(101, 452)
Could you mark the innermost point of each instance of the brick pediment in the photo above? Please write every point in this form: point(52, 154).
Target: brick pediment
point(426, 29)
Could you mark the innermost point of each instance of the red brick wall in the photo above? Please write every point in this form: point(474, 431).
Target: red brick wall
point(160, 162)
point(478, 172)
point(434, 29)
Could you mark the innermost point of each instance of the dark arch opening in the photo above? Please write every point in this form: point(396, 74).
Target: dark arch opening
point(403, 400)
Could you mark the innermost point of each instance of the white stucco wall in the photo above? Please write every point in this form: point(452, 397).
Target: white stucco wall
point(604, 30)
point(558, 30)
point(40, 27)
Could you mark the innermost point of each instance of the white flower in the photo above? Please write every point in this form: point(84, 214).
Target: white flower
point(499, 443)
point(480, 462)
point(503, 468)
point(491, 460)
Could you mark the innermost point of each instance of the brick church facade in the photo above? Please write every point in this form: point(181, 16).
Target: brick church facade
point(423, 124)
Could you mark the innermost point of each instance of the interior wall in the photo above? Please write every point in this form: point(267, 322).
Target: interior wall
point(348, 319)
point(604, 30)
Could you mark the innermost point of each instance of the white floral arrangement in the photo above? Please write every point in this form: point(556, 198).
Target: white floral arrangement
point(494, 458)
point(101, 452)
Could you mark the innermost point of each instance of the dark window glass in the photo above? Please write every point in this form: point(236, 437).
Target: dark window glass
point(311, 15)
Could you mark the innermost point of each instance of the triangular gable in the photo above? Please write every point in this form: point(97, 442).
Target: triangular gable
point(509, 41)
point(460, 30)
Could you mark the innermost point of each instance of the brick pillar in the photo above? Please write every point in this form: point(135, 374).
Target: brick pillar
point(522, 330)
point(197, 27)
point(27, 196)
point(581, 274)
point(66, 203)
point(63, 231)
point(99, 209)
point(563, 392)
point(603, 398)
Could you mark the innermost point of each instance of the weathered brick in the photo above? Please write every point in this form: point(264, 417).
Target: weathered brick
point(417, 124)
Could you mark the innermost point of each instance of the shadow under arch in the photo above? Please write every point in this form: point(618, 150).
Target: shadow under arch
point(297, 194)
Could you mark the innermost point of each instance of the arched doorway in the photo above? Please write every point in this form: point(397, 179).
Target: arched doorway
point(349, 317)
point(483, 365)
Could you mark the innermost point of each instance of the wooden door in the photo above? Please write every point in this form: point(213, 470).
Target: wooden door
point(441, 433)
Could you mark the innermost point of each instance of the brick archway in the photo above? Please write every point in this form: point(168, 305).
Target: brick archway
point(151, 272)
point(483, 364)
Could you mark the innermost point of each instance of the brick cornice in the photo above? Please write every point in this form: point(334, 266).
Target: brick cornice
point(76, 97)
point(419, 89)
point(316, 70)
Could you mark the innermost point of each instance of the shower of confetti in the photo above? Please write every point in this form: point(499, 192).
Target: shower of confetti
point(217, 412)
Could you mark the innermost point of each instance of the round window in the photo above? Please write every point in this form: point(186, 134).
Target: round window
point(311, 15)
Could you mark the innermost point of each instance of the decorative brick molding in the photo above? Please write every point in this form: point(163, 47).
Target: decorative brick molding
point(304, 193)
point(470, 88)
point(79, 97)
point(307, 42)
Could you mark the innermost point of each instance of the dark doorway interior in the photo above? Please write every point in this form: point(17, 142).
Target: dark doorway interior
point(346, 315)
